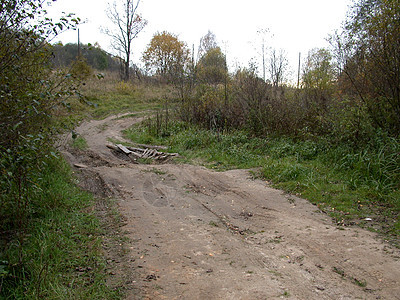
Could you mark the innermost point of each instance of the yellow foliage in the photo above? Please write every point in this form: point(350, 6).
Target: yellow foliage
point(80, 69)
point(166, 55)
point(124, 88)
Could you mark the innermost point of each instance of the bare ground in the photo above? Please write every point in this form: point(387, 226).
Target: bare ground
point(198, 234)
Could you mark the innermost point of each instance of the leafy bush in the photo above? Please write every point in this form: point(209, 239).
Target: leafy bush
point(124, 88)
point(30, 93)
point(40, 212)
point(80, 69)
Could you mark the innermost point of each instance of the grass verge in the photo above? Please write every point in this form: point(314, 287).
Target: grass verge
point(355, 187)
point(111, 96)
point(58, 255)
point(101, 98)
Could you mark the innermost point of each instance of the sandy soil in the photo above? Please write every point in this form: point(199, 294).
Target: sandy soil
point(199, 234)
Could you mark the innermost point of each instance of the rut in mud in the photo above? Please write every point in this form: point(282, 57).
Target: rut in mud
point(198, 234)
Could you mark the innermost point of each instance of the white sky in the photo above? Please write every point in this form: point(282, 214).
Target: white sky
point(294, 25)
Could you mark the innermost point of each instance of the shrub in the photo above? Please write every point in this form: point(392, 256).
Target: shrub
point(124, 88)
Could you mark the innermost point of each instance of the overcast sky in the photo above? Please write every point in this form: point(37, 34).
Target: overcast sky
point(294, 25)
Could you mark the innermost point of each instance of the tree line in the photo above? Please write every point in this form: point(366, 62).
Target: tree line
point(347, 92)
point(356, 78)
point(94, 56)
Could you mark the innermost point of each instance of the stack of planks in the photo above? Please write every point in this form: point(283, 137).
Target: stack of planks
point(148, 152)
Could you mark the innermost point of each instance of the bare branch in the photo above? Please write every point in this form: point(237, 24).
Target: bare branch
point(126, 26)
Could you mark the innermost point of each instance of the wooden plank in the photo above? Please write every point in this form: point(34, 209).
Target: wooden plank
point(135, 153)
point(146, 153)
point(152, 147)
point(112, 147)
point(80, 166)
point(153, 153)
point(136, 149)
point(138, 155)
point(124, 149)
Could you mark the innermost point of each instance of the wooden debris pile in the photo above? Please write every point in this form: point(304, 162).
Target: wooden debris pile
point(149, 152)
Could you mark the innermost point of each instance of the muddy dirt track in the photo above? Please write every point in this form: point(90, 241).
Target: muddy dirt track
point(199, 234)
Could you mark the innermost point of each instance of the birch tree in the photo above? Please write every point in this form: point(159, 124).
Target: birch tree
point(207, 43)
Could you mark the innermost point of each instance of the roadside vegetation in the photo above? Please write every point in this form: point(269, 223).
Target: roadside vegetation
point(50, 237)
point(355, 187)
point(54, 250)
point(333, 138)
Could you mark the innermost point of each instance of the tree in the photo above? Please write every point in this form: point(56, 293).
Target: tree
point(318, 77)
point(166, 55)
point(263, 33)
point(169, 57)
point(252, 94)
point(207, 43)
point(212, 68)
point(318, 71)
point(27, 89)
point(31, 95)
point(127, 25)
point(97, 58)
point(368, 54)
point(278, 64)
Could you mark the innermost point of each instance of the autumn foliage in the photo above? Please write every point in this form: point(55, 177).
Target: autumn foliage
point(346, 93)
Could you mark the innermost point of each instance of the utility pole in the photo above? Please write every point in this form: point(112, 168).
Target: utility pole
point(193, 54)
point(298, 72)
point(79, 46)
point(192, 75)
point(263, 33)
point(226, 75)
point(263, 58)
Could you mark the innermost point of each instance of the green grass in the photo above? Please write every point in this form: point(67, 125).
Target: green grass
point(79, 143)
point(349, 184)
point(58, 254)
point(109, 104)
point(105, 98)
point(121, 97)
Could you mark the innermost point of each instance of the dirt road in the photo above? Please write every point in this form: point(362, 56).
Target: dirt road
point(198, 234)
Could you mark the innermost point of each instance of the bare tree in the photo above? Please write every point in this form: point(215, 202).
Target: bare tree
point(264, 34)
point(278, 64)
point(127, 24)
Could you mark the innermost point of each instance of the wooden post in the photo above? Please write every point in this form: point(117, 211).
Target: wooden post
point(166, 116)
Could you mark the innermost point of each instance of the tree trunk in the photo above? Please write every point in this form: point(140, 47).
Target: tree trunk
point(126, 75)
